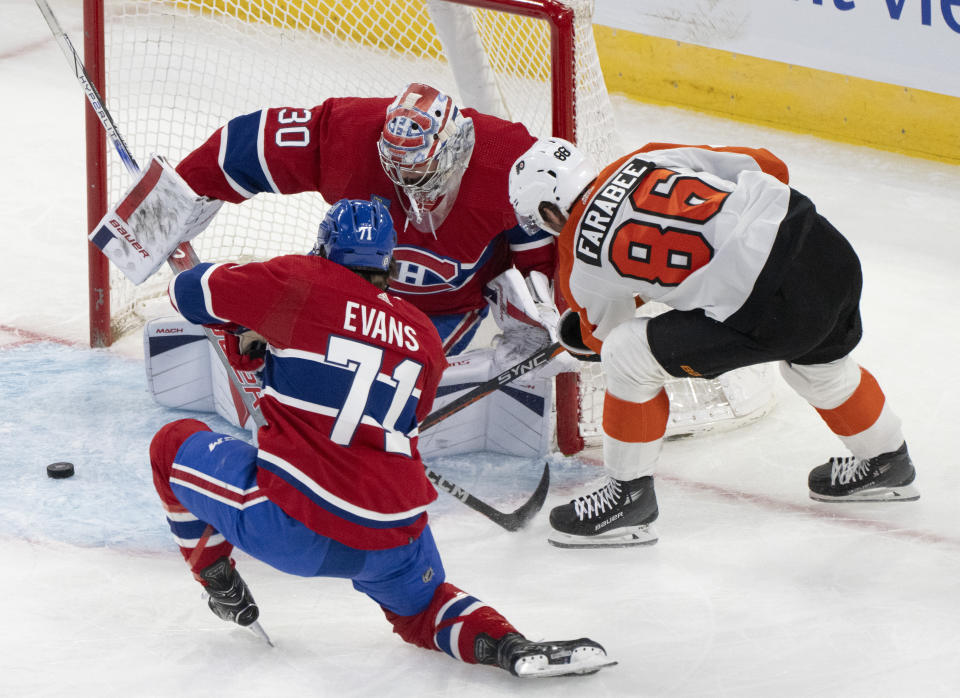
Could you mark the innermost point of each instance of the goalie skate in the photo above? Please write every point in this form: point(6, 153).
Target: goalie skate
point(527, 659)
point(617, 515)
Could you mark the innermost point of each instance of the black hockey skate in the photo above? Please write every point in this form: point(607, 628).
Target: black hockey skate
point(228, 595)
point(617, 515)
point(885, 478)
point(527, 659)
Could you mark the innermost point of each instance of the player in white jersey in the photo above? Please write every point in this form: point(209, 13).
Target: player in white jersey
point(752, 274)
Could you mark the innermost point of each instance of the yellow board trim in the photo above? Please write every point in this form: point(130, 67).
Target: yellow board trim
point(780, 95)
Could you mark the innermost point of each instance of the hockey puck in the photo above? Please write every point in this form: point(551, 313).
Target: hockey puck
point(60, 470)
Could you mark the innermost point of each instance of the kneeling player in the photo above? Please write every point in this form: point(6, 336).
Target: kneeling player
point(337, 487)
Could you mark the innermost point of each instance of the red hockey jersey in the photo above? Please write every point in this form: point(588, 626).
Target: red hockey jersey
point(349, 373)
point(332, 149)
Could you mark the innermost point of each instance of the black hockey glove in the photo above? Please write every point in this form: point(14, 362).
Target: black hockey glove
point(571, 338)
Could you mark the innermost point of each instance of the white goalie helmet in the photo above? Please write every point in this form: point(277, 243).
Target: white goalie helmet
point(425, 146)
point(553, 171)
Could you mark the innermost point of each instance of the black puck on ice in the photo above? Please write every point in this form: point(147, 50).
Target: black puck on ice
point(60, 470)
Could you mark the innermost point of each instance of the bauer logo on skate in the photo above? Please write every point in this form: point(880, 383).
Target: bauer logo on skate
point(596, 220)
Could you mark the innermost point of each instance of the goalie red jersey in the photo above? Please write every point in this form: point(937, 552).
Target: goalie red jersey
point(332, 149)
point(349, 373)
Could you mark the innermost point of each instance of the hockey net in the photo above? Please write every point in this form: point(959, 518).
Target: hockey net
point(173, 71)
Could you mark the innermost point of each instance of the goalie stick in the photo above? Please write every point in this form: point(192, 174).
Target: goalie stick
point(535, 360)
point(516, 519)
point(185, 258)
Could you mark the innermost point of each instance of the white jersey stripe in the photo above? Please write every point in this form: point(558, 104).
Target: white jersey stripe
point(349, 507)
point(213, 495)
point(260, 154)
point(194, 542)
point(205, 285)
point(219, 483)
point(532, 245)
point(221, 159)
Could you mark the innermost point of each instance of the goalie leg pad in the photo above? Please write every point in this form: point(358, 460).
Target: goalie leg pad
point(516, 420)
point(176, 358)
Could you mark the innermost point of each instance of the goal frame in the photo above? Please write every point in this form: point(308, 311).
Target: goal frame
point(560, 22)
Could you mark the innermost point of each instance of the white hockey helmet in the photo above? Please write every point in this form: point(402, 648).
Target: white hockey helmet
point(425, 146)
point(552, 171)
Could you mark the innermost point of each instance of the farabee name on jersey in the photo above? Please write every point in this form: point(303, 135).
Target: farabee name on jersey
point(376, 324)
point(596, 220)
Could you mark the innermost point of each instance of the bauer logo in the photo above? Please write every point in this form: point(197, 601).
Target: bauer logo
point(123, 233)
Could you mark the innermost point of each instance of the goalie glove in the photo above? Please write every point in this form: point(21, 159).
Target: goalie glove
point(571, 337)
point(527, 317)
point(244, 348)
point(157, 213)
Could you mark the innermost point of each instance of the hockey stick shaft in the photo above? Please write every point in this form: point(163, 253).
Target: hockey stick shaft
point(534, 361)
point(185, 257)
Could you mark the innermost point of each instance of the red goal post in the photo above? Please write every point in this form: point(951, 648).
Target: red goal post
point(168, 72)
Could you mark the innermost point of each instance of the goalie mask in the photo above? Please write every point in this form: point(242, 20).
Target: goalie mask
point(358, 234)
point(552, 171)
point(425, 146)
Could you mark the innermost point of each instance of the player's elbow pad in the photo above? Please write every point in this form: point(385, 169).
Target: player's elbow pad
point(571, 337)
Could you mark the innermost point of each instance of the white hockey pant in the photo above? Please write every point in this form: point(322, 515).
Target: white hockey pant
point(850, 401)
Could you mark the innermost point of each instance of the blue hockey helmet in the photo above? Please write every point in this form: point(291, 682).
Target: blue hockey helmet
point(358, 234)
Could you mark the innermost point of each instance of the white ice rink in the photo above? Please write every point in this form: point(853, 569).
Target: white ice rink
point(754, 590)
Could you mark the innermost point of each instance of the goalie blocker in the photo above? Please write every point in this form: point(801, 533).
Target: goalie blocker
point(158, 213)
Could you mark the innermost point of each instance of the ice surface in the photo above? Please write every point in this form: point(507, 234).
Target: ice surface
point(753, 589)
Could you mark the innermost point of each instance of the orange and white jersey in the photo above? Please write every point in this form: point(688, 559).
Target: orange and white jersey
point(688, 226)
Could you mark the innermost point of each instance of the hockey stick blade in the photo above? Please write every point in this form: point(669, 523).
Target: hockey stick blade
point(535, 360)
point(512, 521)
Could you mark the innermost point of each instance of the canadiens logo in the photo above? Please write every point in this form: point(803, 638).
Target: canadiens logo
point(407, 129)
point(420, 271)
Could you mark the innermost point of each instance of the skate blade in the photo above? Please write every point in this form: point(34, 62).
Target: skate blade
point(878, 494)
point(585, 661)
point(258, 631)
point(622, 538)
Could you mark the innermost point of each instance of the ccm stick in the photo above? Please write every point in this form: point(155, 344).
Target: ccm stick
point(246, 386)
